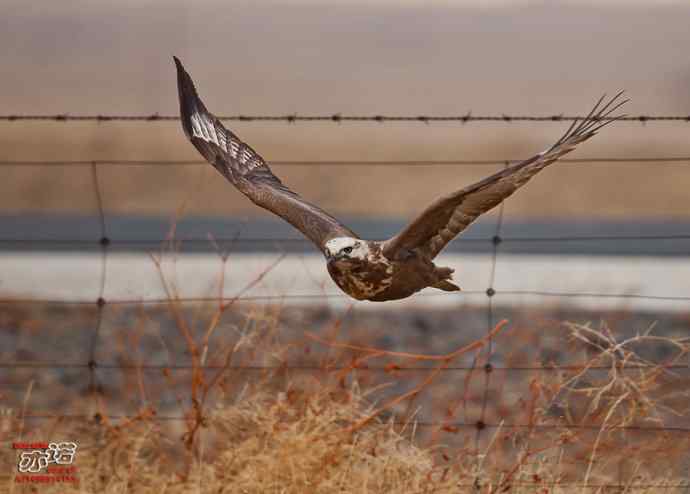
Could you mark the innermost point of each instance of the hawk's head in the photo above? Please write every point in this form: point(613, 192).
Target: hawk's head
point(346, 251)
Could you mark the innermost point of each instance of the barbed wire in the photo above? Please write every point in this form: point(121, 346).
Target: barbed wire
point(338, 118)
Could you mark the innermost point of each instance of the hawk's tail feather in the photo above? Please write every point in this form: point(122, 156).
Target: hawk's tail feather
point(446, 286)
point(445, 275)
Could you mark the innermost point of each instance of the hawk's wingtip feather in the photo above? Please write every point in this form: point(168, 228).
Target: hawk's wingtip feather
point(179, 66)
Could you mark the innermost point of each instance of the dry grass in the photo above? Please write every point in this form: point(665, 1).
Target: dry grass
point(311, 418)
point(327, 434)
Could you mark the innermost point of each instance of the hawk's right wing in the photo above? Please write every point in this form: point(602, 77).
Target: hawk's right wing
point(247, 171)
point(431, 231)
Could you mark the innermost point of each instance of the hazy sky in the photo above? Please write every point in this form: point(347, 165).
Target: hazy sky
point(350, 56)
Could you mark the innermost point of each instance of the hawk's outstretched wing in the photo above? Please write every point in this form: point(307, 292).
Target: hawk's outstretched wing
point(431, 231)
point(247, 171)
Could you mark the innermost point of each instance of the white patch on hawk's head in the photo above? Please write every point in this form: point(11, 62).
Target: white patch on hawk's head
point(344, 248)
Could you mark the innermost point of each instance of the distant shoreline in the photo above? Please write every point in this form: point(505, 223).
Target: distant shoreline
point(80, 233)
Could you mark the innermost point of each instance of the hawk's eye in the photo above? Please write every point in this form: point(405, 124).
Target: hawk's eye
point(347, 250)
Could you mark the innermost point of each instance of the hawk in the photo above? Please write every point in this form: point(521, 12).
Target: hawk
point(364, 269)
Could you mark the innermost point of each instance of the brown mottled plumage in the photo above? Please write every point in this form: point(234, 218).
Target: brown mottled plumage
point(371, 270)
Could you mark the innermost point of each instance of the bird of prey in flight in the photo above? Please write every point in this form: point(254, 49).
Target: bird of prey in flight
point(365, 269)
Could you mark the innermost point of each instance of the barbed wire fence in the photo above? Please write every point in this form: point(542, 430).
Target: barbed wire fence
point(337, 117)
point(105, 242)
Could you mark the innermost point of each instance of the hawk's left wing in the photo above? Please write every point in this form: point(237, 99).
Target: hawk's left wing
point(248, 171)
point(431, 231)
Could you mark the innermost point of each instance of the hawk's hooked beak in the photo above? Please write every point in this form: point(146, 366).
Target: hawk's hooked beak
point(332, 257)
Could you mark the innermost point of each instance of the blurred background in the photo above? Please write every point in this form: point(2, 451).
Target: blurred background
point(85, 206)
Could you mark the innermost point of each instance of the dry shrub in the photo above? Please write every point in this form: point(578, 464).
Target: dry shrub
point(287, 442)
point(322, 435)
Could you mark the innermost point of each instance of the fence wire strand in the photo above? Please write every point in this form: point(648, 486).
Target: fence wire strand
point(81, 242)
point(602, 160)
point(488, 368)
point(335, 368)
point(327, 296)
point(469, 425)
point(100, 301)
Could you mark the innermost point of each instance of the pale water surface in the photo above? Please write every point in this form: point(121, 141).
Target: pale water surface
point(301, 278)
